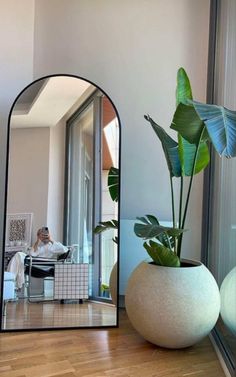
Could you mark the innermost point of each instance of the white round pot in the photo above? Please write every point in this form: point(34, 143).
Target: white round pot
point(172, 307)
point(113, 284)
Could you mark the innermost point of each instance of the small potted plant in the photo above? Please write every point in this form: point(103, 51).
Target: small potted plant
point(170, 301)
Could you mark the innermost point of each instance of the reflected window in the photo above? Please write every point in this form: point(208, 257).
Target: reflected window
point(92, 150)
point(222, 246)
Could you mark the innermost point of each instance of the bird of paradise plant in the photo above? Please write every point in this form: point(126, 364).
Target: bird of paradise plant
point(197, 126)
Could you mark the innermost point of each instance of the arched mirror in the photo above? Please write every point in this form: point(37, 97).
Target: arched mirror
point(62, 209)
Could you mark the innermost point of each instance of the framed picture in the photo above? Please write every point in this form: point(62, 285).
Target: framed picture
point(18, 230)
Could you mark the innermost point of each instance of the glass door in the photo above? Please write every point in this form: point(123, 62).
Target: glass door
point(93, 149)
point(219, 215)
point(80, 196)
point(109, 208)
point(222, 250)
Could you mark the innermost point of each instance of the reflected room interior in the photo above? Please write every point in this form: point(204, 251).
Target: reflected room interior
point(64, 139)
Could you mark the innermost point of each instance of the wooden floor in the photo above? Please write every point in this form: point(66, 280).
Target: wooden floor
point(96, 353)
point(24, 315)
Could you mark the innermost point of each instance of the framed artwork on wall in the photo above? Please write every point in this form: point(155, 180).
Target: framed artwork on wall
point(18, 230)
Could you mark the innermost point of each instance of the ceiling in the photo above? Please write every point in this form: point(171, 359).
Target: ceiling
point(46, 101)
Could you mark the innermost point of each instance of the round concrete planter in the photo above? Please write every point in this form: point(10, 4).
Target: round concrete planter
point(113, 284)
point(172, 307)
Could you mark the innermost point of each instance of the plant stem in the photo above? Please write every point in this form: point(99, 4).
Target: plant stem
point(172, 201)
point(173, 208)
point(180, 208)
point(181, 200)
point(168, 241)
point(188, 196)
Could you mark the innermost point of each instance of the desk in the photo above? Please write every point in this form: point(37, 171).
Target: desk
point(71, 281)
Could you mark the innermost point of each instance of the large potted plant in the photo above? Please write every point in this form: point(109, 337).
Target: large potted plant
point(170, 301)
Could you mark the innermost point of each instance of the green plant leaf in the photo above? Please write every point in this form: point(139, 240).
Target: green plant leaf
point(115, 239)
point(163, 237)
point(149, 219)
point(161, 255)
point(187, 152)
point(183, 89)
point(153, 230)
point(105, 225)
point(113, 183)
point(221, 126)
point(187, 122)
point(170, 148)
point(190, 129)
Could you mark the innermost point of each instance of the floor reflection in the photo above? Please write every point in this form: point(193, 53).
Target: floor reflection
point(24, 315)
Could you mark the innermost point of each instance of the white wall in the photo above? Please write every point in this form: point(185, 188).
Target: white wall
point(132, 50)
point(36, 176)
point(28, 174)
point(16, 49)
point(56, 180)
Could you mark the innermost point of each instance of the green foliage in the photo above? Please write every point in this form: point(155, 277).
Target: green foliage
point(196, 125)
point(187, 153)
point(170, 148)
point(161, 255)
point(113, 186)
point(187, 122)
point(190, 129)
point(104, 287)
point(221, 126)
point(163, 238)
point(183, 89)
point(105, 225)
point(113, 183)
point(151, 228)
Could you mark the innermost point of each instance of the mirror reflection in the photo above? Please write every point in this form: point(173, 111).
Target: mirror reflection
point(64, 144)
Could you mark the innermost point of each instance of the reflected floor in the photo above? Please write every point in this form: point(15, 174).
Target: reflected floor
point(24, 315)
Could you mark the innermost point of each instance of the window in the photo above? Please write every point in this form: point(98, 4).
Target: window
point(92, 149)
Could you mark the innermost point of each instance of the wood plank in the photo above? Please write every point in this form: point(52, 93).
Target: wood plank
point(104, 352)
point(21, 314)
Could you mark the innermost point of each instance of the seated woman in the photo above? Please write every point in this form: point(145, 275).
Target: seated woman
point(44, 247)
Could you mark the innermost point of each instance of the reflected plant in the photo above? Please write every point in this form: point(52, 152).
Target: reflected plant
point(113, 187)
point(197, 125)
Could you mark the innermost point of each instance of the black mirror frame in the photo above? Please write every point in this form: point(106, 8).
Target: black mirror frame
point(5, 215)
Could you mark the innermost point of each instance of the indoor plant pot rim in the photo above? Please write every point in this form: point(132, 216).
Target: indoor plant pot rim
point(190, 263)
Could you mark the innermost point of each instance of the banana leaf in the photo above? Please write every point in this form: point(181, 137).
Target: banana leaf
point(190, 128)
point(187, 122)
point(183, 89)
point(187, 153)
point(161, 255)
point(221, 126)
point(170, 148)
